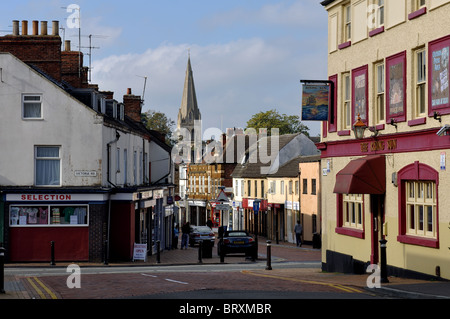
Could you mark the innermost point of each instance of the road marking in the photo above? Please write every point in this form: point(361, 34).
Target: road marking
point(336, 286)
point(178, 282)
point(39, 291)
point(147, 275)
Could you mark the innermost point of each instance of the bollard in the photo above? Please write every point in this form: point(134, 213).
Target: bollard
point(269, 255)
point(106, 252)
point(222, 255)
point(2, 270)
point(158, 253)
point(52, 253)
point(384, 278)
point(200, 246)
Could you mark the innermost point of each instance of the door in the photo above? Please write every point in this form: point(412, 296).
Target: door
point(377, 221)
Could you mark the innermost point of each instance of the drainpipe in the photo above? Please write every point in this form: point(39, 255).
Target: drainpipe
point(108, 151)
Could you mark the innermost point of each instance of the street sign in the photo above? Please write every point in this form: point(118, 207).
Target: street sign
point(256, 206)
point(222, 197)
point(222, 207)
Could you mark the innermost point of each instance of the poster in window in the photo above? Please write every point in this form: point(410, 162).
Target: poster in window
point(315, 102)
point(396, 87)
point(439, 78)
point(360, 90)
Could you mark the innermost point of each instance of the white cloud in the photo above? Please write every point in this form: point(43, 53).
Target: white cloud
point(233, 81)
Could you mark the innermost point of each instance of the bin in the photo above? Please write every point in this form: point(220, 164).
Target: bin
point(316, 241)
point(207, 248)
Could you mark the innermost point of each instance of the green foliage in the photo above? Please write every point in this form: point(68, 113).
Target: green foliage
point(287, 124)
point(158, 121)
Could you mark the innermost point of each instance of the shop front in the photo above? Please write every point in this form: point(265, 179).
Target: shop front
point(73, 223)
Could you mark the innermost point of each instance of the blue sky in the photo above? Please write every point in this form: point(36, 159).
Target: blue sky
point(247, 55)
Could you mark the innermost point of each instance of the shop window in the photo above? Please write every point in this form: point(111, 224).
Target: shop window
point(47, 166)
point(350, 215)
point(32, 107)
point(418, 211)
point(60, 215)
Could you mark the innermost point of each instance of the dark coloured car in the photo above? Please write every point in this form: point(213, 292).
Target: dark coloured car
point(238, 242)
point(200, 233)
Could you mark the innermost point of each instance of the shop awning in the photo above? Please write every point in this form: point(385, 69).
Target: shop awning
point(365, 175)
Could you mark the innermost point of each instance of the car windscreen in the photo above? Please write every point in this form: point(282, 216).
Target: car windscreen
point(236, 234)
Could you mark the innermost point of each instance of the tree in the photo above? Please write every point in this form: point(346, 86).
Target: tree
point(158, 121)
point(287, 124)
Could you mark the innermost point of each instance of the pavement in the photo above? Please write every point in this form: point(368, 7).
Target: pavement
point(22, 287)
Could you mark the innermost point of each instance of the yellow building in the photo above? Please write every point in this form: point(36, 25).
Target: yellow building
point(388, 61)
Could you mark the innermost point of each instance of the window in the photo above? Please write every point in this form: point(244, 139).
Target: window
point(305, 186)
point(290, 188)
point(380, 13)
point(262, 189)
point(32, 106)
point(48, 166)
point(135, 168)
point(61, 215)
point(282, 187)
point(421, 208)
point(256, 188)
point(418, 218)
point(296, 187)
point(347, 110)
point(249, 189)
point(348, 23)
point(419, 4)
point(380, 87)
point(313, 186)
point(421, 83)
point(353, 210)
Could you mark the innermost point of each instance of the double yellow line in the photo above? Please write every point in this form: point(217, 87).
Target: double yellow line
point(336, 286)
point(38, 290)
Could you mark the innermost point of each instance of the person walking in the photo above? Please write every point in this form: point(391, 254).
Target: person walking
point(186, 229)
point(298, 229)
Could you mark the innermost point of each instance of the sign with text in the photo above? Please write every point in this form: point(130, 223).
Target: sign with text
point(140, 252)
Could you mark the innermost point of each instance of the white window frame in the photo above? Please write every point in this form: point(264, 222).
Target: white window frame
point(25, 102)
point(420, 198)
point(380, 87)
point(36, 159)
point(420, 81)
point(347, 27)
point(353, 211)
point(347, 101)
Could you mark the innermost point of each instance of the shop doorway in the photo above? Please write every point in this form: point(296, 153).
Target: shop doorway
point(377, 221)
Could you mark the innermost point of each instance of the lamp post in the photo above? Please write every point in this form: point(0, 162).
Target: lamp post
point(359, 127)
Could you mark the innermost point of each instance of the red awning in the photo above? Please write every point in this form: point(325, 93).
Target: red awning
point(365, 175)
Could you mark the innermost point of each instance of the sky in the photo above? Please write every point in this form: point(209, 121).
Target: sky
point(247, 56)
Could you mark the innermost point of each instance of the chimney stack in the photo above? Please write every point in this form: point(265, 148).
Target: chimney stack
point(24, 27)
point(55, 28)
point(15, 28)
point(67, 46)
point(35, 27)
point(43, 27)
point(132, 105)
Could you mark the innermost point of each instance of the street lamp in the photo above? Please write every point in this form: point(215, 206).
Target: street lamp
point(359, 127)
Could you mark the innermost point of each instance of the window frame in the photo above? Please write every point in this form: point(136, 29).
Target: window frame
point(36, 159)
point(346, 101)
point(347, 22)
point(420, 85)
point(380, 93)
point(49, 208)
point(345, 228)
point(434, 46)
point(391, 62)
point(417, 172)
point(357, 73)
point(24, 103)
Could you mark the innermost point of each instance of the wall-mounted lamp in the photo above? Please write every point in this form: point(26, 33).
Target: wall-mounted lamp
point(374, 130)
point(437, 116)
point(359, 127)
point(393, 123)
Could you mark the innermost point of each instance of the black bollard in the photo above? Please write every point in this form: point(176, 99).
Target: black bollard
point(200, 246)
point(384, 278)
point(158, 253)
point(269, 255)
point(52, 253)
point(2, 270)
point(222, 255)
point(106, 252)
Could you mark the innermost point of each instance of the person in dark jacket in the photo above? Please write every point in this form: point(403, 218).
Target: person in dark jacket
point(186, 229)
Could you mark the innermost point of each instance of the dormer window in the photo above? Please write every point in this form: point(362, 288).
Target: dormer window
point(32, 106)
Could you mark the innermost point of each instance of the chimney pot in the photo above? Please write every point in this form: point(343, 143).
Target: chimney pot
point(15, 27)
point(43, 27)
point(35, 27)
point(67, 45)
point(55, 28)
point(24, 27)
point(129, 91)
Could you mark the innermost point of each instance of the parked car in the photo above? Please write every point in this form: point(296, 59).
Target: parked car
point(200, 233)
point(237, 241)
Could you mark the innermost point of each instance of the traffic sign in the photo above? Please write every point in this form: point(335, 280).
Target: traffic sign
point(256, 206)
point(222, 207)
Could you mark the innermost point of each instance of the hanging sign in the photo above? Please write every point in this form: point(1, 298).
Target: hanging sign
point(315, 100)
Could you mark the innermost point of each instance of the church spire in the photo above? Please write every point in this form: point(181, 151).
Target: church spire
point(189, 110)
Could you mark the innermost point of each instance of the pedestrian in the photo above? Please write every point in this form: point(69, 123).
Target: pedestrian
point(186, 229)
point(298, 233)
point(176, 233)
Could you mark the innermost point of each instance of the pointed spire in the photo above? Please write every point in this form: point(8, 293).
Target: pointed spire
point(189, 110)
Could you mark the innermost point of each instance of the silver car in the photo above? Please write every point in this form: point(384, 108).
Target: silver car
point(200, 233)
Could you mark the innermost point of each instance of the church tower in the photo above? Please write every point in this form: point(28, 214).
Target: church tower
point(189, 111)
